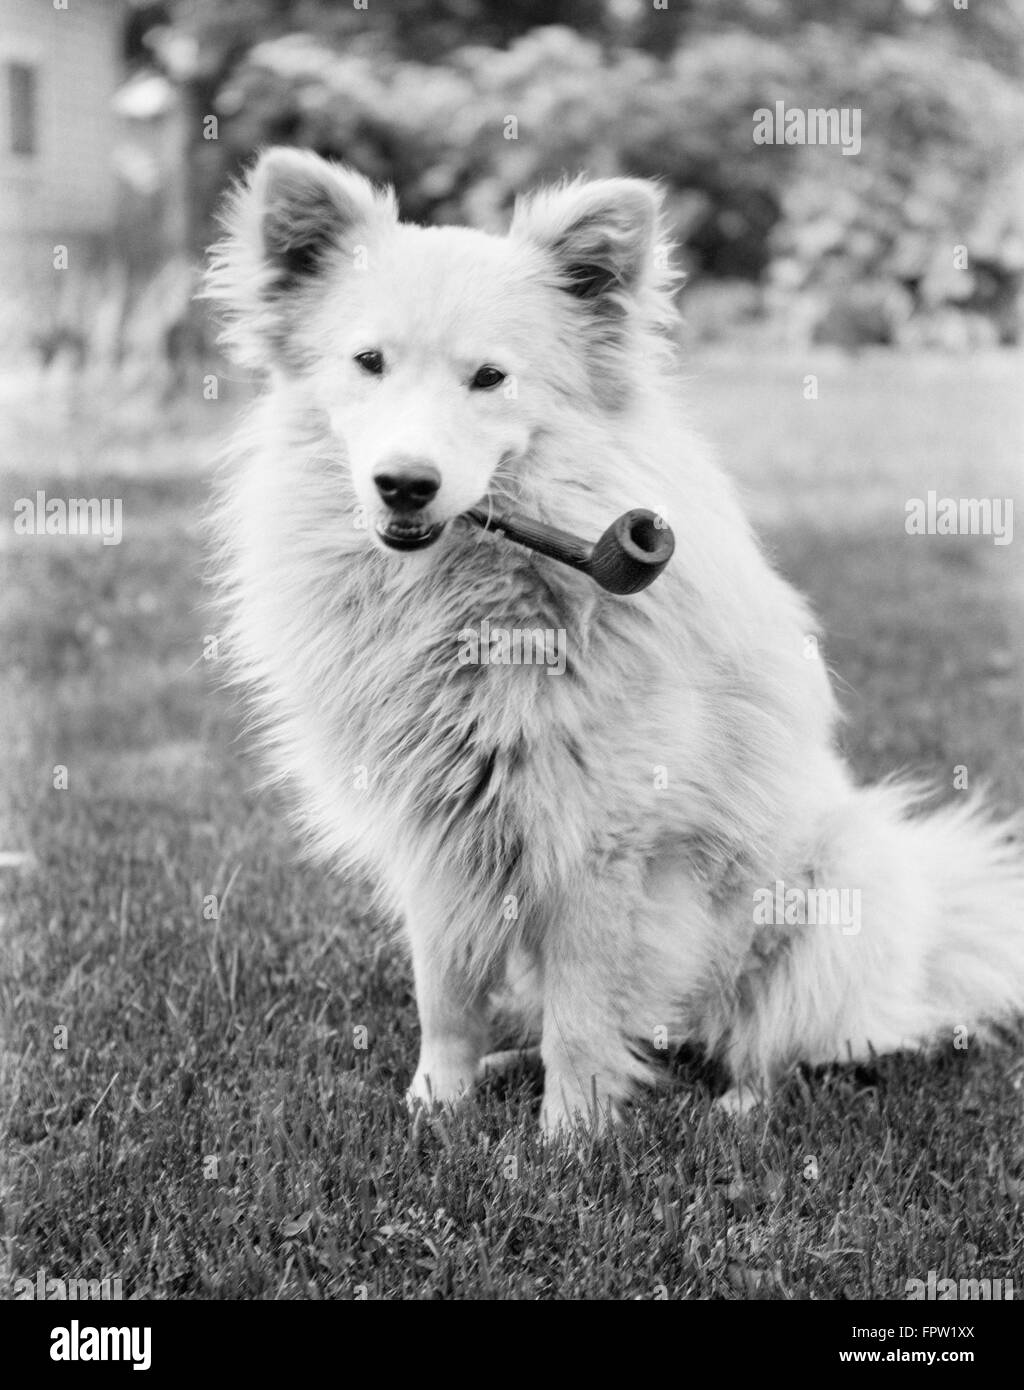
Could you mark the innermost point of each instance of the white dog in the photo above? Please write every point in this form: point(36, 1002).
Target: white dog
point(659, 842)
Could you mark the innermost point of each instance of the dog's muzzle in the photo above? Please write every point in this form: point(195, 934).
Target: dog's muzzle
point(406, 489)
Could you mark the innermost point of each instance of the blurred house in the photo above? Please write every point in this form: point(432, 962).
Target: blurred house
point(59, 70)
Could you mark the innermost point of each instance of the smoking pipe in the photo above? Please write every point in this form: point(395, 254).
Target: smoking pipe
point(625, 559)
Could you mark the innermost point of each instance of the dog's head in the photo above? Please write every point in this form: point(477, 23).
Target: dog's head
point(437, 355)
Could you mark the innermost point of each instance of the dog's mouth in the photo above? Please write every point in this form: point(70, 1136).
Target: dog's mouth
point(399, 533)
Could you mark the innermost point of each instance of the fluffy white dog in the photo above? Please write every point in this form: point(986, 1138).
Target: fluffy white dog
point(660, 840)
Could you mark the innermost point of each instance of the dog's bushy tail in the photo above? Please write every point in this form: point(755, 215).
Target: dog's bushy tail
point(934, 954)
point(971, 873)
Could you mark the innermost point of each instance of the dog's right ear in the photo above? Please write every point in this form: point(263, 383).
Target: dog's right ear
point(306, 207)
point(285, 220)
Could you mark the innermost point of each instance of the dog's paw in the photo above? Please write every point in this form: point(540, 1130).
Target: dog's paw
point(501, 1063)
point(740, 1101)
point(435, 1084)
point(567, 1113)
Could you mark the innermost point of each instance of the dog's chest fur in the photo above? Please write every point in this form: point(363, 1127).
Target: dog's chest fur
point(499, 773)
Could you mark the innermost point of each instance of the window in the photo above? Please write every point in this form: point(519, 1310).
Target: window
point(21, 86)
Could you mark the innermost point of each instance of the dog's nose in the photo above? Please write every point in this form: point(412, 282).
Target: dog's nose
point(408, 487)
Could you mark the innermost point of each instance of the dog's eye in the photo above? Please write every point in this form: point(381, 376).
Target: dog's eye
point(487, 377)
point(372, 362)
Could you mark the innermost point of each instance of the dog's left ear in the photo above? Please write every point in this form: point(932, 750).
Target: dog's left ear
point(601, 236)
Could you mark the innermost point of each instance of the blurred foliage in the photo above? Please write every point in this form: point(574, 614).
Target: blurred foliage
point(463, 104)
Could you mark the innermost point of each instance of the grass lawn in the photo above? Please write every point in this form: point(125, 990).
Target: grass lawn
point(212, 1129)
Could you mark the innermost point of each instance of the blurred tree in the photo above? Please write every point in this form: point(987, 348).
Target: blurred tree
point(464, 103)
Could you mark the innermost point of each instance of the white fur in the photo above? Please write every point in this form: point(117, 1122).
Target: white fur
point(596, 837)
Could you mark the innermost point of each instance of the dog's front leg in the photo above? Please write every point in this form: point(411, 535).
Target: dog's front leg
point(453, 1021)
point(588, 982)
